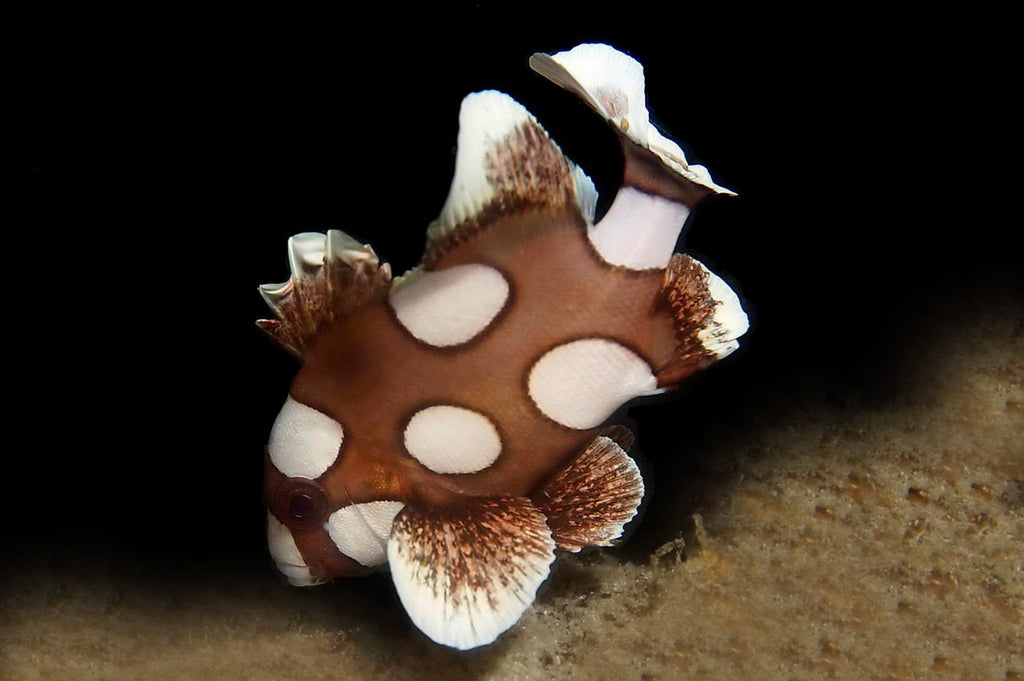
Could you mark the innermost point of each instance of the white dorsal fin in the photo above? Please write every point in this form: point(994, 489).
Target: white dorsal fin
point(588, 502)
point(612, 83)
point(467, 574)
point(486, 120)
point(505, 160)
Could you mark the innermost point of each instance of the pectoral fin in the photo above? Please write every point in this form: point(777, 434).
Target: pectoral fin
point(589, 501)
point(466, 574)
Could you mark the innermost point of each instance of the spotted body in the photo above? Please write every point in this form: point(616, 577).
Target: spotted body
point(449, 422)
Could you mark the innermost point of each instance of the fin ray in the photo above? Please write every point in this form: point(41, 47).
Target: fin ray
point(331, 275)
point(467, 574)
point(612, 83)
point(707, 315)
point(504, 160)
point(589, 502)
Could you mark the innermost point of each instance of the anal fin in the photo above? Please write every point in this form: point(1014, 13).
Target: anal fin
point(588, 502)
point(466, 574)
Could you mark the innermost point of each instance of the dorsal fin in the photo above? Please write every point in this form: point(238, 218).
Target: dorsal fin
point(589, 501)
point(707, 315)
point(331, 275)
point(612, 83)
point(505, 160)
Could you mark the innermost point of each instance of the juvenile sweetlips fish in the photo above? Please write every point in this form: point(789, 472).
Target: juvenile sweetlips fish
point(448, 423)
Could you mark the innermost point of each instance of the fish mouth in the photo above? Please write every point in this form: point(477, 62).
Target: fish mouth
point(297, 574)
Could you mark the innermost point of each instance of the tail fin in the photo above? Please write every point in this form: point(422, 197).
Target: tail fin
point(612, 83)
point(659, 186)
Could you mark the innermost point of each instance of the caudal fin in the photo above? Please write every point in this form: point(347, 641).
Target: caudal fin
point(612, 83)
point(659, 186)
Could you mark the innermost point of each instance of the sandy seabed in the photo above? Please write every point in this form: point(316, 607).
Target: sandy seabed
point(824, 535)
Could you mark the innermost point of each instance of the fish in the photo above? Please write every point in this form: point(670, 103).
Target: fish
point(449, 425)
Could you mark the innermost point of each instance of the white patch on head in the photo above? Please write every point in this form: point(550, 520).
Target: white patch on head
point(304, 442)
point(639, 231)
point(449, 439)
point(361, 531)
point(579, 384)
point(728, 322)
point(450, 306)
point(286, 554)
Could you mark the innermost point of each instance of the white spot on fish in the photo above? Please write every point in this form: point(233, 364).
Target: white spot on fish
point(304, 442)
point(451, 306)
point(286, 554)
point(449, 439)
point(360, 531)
point(639, 231)
point(579, 384)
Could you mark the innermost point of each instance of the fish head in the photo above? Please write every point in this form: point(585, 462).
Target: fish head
point(330, 509)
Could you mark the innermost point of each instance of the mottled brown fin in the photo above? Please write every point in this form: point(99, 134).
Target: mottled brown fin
point(588, 502)
point(331, 275)
point(465, 574)
point(505, 161)
point(621, 435)
point(707, 315)
point(612, 83)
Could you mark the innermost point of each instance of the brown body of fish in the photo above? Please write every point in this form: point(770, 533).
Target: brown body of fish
point(362, 367)
point(360, 370)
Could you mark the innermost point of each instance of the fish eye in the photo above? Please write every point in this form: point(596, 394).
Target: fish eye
point(301, 506)
point(304, 504)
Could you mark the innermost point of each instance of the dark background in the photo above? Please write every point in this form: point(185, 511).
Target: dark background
point(168, 161)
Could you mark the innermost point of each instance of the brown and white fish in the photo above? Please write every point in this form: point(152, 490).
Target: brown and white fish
point(447, 423)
